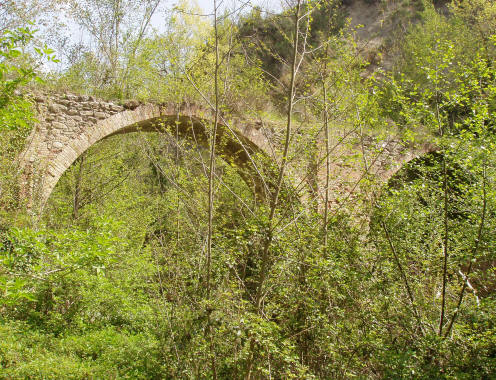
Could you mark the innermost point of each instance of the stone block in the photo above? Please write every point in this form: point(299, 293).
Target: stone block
point(58, 125)
point(116, 108)
point(54, 108)
point(70, 123)
point(71, 111)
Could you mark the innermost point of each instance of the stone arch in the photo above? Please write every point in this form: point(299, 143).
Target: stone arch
point(483, 279)
point(418, 154)
point(45, 161)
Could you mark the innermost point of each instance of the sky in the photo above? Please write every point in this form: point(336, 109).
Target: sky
point(76, 34)
point(207, 5)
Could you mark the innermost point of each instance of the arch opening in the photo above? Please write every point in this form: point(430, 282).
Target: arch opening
point(434, 198)
point(44, 171)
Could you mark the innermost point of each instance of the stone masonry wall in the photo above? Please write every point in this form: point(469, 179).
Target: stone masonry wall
point(69, 124)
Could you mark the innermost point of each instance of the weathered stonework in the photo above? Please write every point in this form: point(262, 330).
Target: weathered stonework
point(69, 124)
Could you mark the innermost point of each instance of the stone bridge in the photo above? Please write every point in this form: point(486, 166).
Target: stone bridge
point(70, 124)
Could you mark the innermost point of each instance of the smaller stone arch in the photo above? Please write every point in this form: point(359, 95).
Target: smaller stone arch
point(427, 166)
point(417, 154)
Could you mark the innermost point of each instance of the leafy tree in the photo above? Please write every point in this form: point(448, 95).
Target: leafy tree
point(117, 28)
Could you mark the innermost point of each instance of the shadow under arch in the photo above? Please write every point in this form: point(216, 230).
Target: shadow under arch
point(425, 173)
point(428, 168)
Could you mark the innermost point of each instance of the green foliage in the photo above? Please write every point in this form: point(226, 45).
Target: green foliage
point(440, 207)
point(106, 353)
point(111, 281)
point(15, 72)
point(446, 80)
